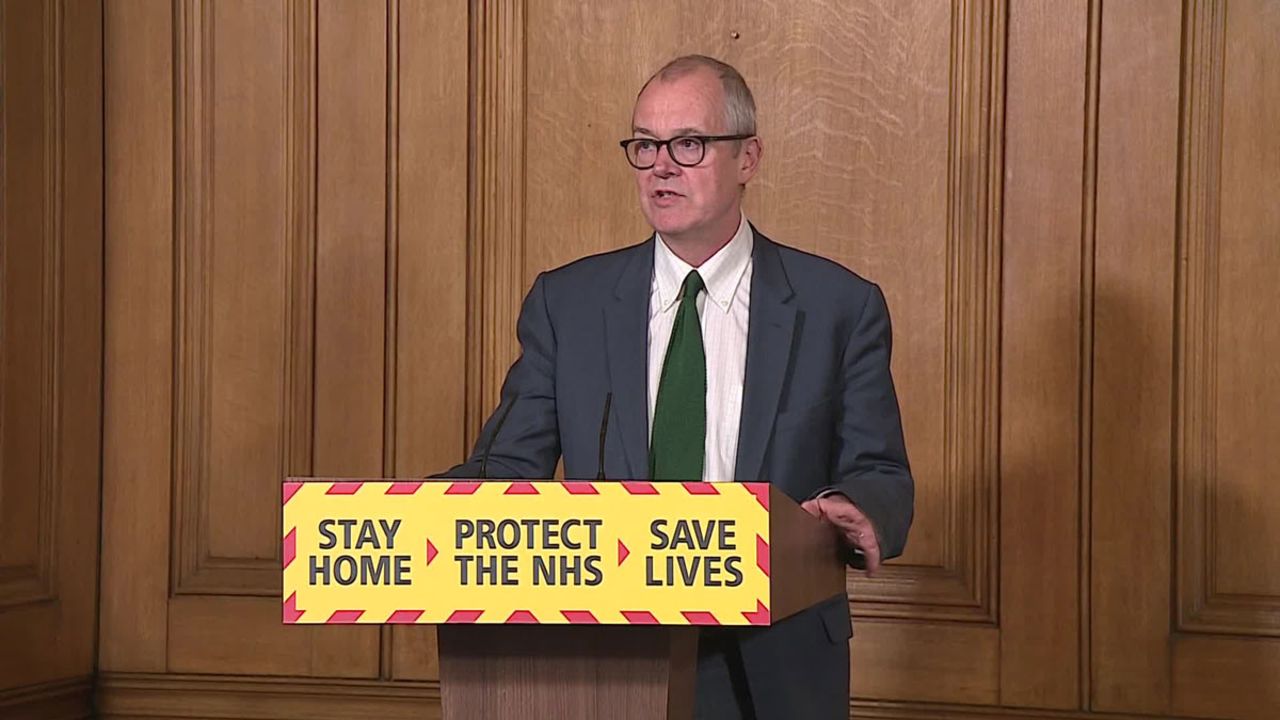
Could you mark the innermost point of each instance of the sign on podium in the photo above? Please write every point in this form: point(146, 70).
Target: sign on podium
point(554, 599)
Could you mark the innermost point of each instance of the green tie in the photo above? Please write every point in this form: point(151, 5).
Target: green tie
point(680, 418)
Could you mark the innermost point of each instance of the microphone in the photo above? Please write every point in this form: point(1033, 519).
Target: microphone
point(484, 458)
point(604, 429)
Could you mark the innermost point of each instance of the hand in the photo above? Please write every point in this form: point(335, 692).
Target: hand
point(854, 526)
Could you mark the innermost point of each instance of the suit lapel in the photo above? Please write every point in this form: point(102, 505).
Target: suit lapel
point(770, 329)
point(626, 322)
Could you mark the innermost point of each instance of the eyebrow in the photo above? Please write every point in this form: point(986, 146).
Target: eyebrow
point(679, 131)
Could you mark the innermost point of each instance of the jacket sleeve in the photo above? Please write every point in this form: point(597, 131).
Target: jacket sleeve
point(527, 445)
point(870, 457)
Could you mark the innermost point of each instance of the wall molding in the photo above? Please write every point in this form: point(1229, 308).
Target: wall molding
point(36, 581)
point(964, 587)
point(141, 695)
point(195, 569)
point(1202, 607)
point(145, 695)
point(496, 217)
point(69, 699)
point(887, 710)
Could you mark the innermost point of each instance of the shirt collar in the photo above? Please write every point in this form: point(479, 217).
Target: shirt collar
point(722, 273)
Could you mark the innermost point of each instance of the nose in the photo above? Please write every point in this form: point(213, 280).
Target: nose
point(664, 166)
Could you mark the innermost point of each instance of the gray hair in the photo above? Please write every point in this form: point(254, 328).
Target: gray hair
point(739, 105)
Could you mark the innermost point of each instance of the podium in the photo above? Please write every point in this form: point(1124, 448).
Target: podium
point(555, 599)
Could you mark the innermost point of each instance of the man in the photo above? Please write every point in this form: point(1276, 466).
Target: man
point(726, 357)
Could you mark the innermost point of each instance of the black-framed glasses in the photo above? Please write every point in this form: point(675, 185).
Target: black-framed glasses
point(685, 150)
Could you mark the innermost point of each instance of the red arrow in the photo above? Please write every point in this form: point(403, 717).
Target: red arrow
point(431, 552)
point(623, 552)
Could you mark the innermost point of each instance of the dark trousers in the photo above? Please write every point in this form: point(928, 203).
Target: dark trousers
point(721, 688)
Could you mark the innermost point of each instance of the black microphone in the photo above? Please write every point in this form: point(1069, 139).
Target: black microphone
point(604, 429)
point(484, 459)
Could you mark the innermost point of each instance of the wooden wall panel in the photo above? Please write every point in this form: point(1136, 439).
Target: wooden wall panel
point(1246, 507)
point(232, 292)
point(351, 285)
point(1185, 605)
point(430, 226)
point(317, 289)
point(1228, 398)
point(50, 350)
point(1133, 324)
point(28, 309)
point(138, 335)
point(243, 289)
point(1046, 255)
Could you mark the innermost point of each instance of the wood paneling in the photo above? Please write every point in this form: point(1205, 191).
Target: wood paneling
point(431, 158)
point(322, 216)
point(289, 291)
point(1227, 399)
point(1045, 260)
point(29, 317)
point(233, 296)
point(202, 696)
point(1184, 595)
point(70, 699)
point(50, 349)
point(138, 332)
point(1137, 132)
point(1245, 506)
point(495, 269)
point(947, 662)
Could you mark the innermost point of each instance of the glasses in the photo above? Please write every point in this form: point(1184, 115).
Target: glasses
point(685, 150)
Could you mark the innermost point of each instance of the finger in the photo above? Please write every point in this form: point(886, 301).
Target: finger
point(813, 507)
point(872, 554)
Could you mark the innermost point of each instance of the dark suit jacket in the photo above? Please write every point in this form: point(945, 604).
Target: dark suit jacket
point(819, 412)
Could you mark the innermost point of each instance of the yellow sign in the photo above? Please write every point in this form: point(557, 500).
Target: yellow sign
point(534, 552)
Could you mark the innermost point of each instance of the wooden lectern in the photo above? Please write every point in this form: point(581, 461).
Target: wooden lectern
point(379, 551)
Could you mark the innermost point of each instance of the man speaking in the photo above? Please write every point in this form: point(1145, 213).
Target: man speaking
point(721, 356)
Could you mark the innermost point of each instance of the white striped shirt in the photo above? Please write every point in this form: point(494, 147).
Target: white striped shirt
point(727, 276)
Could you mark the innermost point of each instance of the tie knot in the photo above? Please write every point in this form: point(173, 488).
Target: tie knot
point(692, 286)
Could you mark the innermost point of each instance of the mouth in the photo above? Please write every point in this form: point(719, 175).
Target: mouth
point(664, 194)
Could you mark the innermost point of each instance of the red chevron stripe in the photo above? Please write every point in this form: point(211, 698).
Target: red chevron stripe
point(464, 616)
point(699, 617)
point(700, 488)
point(405, 616)
point(762, 555)
point(580, 488)
point(636, 487)
point(583, 617)
point(343, 617)
point(521, 488)
point(761, 491)
point(463, 487)
point(639, 617)
point(759, 617)
point(291, 489)
point(522, 617)
point(290, 550)
point(344, 488)
point(403, 488)
point(291, 612)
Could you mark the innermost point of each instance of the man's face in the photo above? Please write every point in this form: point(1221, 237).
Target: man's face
point(691, 202)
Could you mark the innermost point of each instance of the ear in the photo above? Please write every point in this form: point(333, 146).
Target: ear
point(749, 159)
